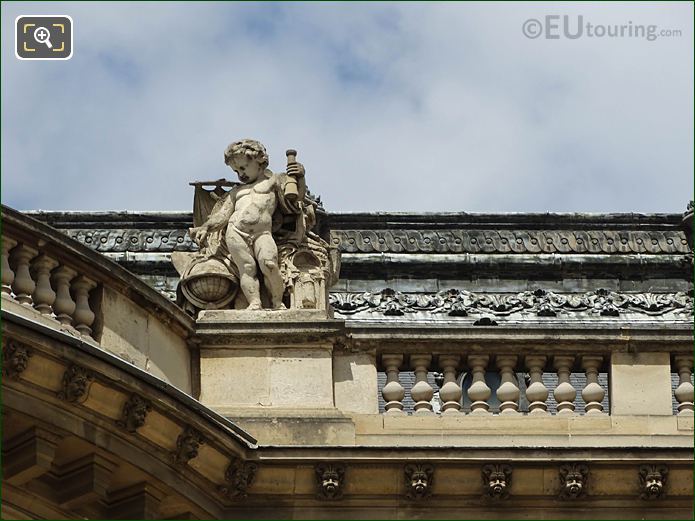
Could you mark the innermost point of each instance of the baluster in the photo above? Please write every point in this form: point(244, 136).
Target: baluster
point(43, 295)
point(393, 392)
point(450, 393)
point(537, 392)
point(684, 391)
point(23, 285)
point(479, 392)
point(508, 391)
point(564, 393)
point(7, 273)
point(422, 391)
point(593, 393)
point(83, 316)
point(63, 306)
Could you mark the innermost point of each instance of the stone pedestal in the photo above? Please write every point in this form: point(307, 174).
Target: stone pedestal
point(272, 372)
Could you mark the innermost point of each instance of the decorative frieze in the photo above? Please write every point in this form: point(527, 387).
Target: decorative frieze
point(573, 480)
point(652, 481)
point(134, 413)
point(419, 241)
point(187, 445)
point(509, 241)
point(76, 382)
point(541, 303)
point(497, 480)
point(418, 480)
point(121, 240)
point(330, 479)
point(239, 476)
point(15, 359)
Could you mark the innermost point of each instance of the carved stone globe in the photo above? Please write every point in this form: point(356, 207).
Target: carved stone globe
point(209, 284)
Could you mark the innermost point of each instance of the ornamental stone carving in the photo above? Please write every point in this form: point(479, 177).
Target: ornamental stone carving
point(573, 480)
point(187, 445)
point(422, 241)
point(652, 481)
point(15, 359)
point(497, 480)
point(418, 480)
point(239, 476)
point(542, 303)
point(330, 479)
point(134, 413)
point(256, 247)
point(509, 241)
point(76, 382)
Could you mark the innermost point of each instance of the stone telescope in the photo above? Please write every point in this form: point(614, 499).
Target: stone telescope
point(262, 357)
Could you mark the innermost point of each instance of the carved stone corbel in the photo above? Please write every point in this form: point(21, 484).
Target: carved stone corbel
point(330, 480)
point(497, 480)
point(134, 413)
point(187, 445)
point(238, 476)
point(15, 359)
point(418, 480)
point(652, 481)
point(573, 477)
point(76, 382)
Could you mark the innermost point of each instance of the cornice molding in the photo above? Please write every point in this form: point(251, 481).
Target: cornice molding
point(539, 303)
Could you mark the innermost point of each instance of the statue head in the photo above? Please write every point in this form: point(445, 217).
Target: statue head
point(19, 360)
point(15, 359)
point(574, 477)
point(248, 158)
point(329, 478)
point(187, 445)
point(653, 480)
point(497, 480)
point(76, 381)
point(418, 480)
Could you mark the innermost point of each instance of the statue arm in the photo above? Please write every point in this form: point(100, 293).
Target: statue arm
point(219, 217)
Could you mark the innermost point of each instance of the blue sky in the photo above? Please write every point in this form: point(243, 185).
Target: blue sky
point(391, 106)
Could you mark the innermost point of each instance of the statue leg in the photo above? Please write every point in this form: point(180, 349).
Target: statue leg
point(244, 260)
point(267, 254)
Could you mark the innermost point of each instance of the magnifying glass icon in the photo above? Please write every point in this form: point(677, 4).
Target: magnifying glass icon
point(43, 35)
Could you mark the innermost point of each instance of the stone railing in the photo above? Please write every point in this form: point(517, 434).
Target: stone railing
point(448, 369)
point(683, 366)
point(521, 384)
point(29, 276)
point(50, 278)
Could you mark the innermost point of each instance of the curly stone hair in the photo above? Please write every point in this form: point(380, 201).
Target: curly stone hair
point(249, 147)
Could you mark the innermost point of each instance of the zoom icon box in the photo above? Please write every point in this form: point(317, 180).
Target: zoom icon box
point(43, 37)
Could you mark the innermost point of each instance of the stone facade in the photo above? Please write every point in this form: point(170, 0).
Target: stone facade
point(463, 366)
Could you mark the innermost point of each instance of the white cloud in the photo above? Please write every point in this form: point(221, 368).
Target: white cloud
point(443, 107)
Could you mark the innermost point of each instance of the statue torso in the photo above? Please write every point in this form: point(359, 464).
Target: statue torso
point(254, 205)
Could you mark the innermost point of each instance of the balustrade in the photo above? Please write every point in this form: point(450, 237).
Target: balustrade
point(537, 392)
point(393, 391)
point(564, 393)
point(34, 278)
point(593, 393)
point(450, 393)
point(684, 391)
point(507, 378)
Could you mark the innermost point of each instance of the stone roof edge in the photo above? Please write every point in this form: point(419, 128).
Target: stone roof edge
point(342, 219)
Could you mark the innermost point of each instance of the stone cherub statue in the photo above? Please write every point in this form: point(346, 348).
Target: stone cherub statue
point(262, 224)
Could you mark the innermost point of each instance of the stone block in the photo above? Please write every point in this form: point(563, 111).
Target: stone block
point(355, 383)
point(685, 423)
point(640, 384)
point(235, 378)
point(301, 378)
